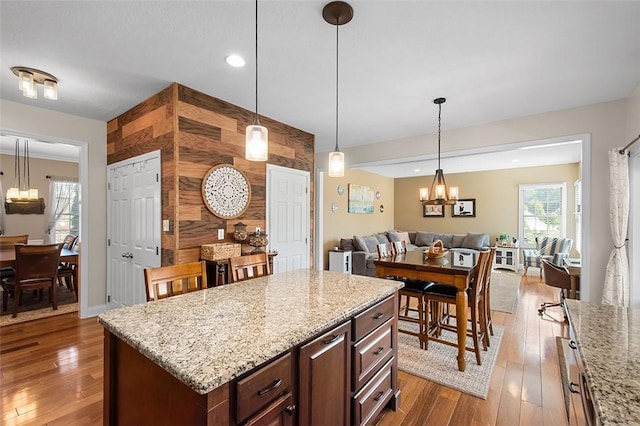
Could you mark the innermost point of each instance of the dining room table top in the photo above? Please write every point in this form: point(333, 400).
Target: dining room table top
point(454, 261)
point(8, 256)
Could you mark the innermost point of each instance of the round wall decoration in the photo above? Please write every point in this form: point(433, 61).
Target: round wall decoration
point(226, 191)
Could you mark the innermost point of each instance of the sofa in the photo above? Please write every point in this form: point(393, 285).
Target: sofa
point(364, 248)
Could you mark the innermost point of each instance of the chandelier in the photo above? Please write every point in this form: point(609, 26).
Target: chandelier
point(22, 191)
point(440, 193)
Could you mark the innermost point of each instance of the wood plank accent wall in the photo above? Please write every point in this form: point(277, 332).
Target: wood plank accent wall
point(195, 132)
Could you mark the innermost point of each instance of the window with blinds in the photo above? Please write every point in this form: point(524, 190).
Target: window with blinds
point(542, 212)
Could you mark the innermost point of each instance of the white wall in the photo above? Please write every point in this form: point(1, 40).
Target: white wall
point(49, 125)
point(606, 123)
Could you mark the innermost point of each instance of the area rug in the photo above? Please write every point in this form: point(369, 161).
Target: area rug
point(440, 365)
point(32, 309)
point(505, 288)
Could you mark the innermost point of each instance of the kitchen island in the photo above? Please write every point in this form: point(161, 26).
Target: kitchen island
point(187, 359)
point(606, 340)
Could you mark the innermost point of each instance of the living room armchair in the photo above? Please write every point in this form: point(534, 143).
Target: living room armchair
point(547, 248)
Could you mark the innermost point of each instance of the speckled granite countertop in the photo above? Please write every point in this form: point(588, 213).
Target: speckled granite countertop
point(207, 338)
point(608, 339)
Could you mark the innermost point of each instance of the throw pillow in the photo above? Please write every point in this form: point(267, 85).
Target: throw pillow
point(359, 244)
point(447, 239)
point(346, 244)
point(372, 243)
point(473, 241)
point(395, 236)
point(382, 238)
point(424, 238)
point(457, 240)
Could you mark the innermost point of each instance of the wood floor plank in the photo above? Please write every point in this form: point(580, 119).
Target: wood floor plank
point(52, 373)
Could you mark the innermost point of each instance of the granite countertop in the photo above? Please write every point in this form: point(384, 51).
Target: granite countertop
point(608, 339)
point(207, 338)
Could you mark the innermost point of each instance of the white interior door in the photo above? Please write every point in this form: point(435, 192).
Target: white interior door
point(288, 217)
point(133, 227)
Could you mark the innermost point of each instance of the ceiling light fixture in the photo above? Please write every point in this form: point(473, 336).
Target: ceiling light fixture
point(337, 13)
point(27, 79)
point(235, 61)
point(22, 190)
point(440, 193)
point(257, 136)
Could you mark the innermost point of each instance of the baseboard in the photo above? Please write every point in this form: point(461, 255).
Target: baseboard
point(93, 311)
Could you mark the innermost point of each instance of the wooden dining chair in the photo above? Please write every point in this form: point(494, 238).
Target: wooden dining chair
point(36, 269)
point(487, 298)
point(385, 250)
point(246, 267)
point(7, 242)
point(438, 294)
point(399, 247)
point(168, 281)
point(68, 271)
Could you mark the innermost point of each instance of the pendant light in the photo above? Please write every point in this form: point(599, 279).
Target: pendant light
point(22, 190)
point(29, 77)
point(440, 193)
point(256, 135)
point(337, 13)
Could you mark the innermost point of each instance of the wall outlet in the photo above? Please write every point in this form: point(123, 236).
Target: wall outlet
point(165, 225)
point(257, 229)
point(221, 234)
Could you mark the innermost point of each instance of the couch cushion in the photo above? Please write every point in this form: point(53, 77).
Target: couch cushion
point(424, 238)
point(346, 244)
point(368, 243)
point(382, 238)
point(395, 236)
point(447, 239)
point(359, 244)
point(412, 237)
point(457, 240)
point(474, 241)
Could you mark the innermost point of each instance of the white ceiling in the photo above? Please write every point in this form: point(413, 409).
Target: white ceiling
point(492, 60)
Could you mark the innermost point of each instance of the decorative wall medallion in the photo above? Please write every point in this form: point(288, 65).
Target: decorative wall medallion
point(340, 189)
point(381, 208)
point(226, 191)
point(377, 195)
point(334, 207)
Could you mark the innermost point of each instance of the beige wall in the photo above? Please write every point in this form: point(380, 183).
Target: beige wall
point(48, 125)
point(606, 123)
point(633, 116)
point(345, 225)
point(496, 195)
point(33, 224)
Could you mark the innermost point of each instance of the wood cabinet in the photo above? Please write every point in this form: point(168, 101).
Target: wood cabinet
point(325, 370)
point(507, 258)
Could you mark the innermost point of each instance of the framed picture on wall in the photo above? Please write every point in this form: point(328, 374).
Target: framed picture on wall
point(464, 208)
point(432, 211)
point(360, 199)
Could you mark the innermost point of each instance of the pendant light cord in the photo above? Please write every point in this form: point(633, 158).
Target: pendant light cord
point(256, 120)
point(337, 80)
point(16, 169)
point(27, 162)
point(439, 114)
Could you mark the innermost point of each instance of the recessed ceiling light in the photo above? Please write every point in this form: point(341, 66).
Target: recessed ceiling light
point(416, 170)
point(235, 61)
point(515, 160)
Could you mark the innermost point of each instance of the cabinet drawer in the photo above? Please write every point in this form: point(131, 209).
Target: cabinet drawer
point(372, 318)
point(259, 389)
point(370, 354)
point(370, 401)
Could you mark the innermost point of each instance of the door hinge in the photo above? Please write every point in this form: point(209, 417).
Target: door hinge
point(109, 186)
point(305, 240)
point(109, 242)
point(108, 298)
point(157, 251)
point(157, 177)
point(306, 190)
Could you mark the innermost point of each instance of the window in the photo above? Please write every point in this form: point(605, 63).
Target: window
point(65, 203)
point(542, 212)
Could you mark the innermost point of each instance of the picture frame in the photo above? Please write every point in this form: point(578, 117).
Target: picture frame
point(464, 208)
point(432, 210)
point(360, 199)
point(461, 258)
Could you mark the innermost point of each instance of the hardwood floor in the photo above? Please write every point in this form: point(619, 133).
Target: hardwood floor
point(51, 373)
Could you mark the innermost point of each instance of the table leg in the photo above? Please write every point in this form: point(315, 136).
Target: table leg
point(461, 324)
point(222, 274)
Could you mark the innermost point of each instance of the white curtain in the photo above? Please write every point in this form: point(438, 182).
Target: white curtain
point(60, 197)
point(616, 282)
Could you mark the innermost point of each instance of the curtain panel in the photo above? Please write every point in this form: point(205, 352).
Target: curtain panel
point(60, 197)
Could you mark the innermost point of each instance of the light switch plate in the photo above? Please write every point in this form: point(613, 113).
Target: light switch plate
point(221, 234)
point(165, 225)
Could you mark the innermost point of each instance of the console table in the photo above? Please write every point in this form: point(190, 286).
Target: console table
point(507, 258)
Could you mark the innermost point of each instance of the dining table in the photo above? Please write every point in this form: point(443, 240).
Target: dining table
point(454, 267)
point(8, 256)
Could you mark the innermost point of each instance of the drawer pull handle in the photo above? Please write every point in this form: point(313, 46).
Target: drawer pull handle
point(378, 396)
point(572, 344)
point(571, 389)
point(378, 315)
point(276, 383)
point(331, 339)
point(290, 409)
point(377, 351)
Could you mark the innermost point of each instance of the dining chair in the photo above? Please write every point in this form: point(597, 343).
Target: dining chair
point(36, 269)
point(68, 271)
point(445, 294)
point(399, 247)
point(487, 297)
point(250, 266)
point(167, 281)
point(7, 242)
point(385, 250)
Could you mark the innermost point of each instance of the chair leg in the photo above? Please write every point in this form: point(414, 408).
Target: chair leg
point(5, 300)
point(16, 301)
point(474, 334)
point(52, 291)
